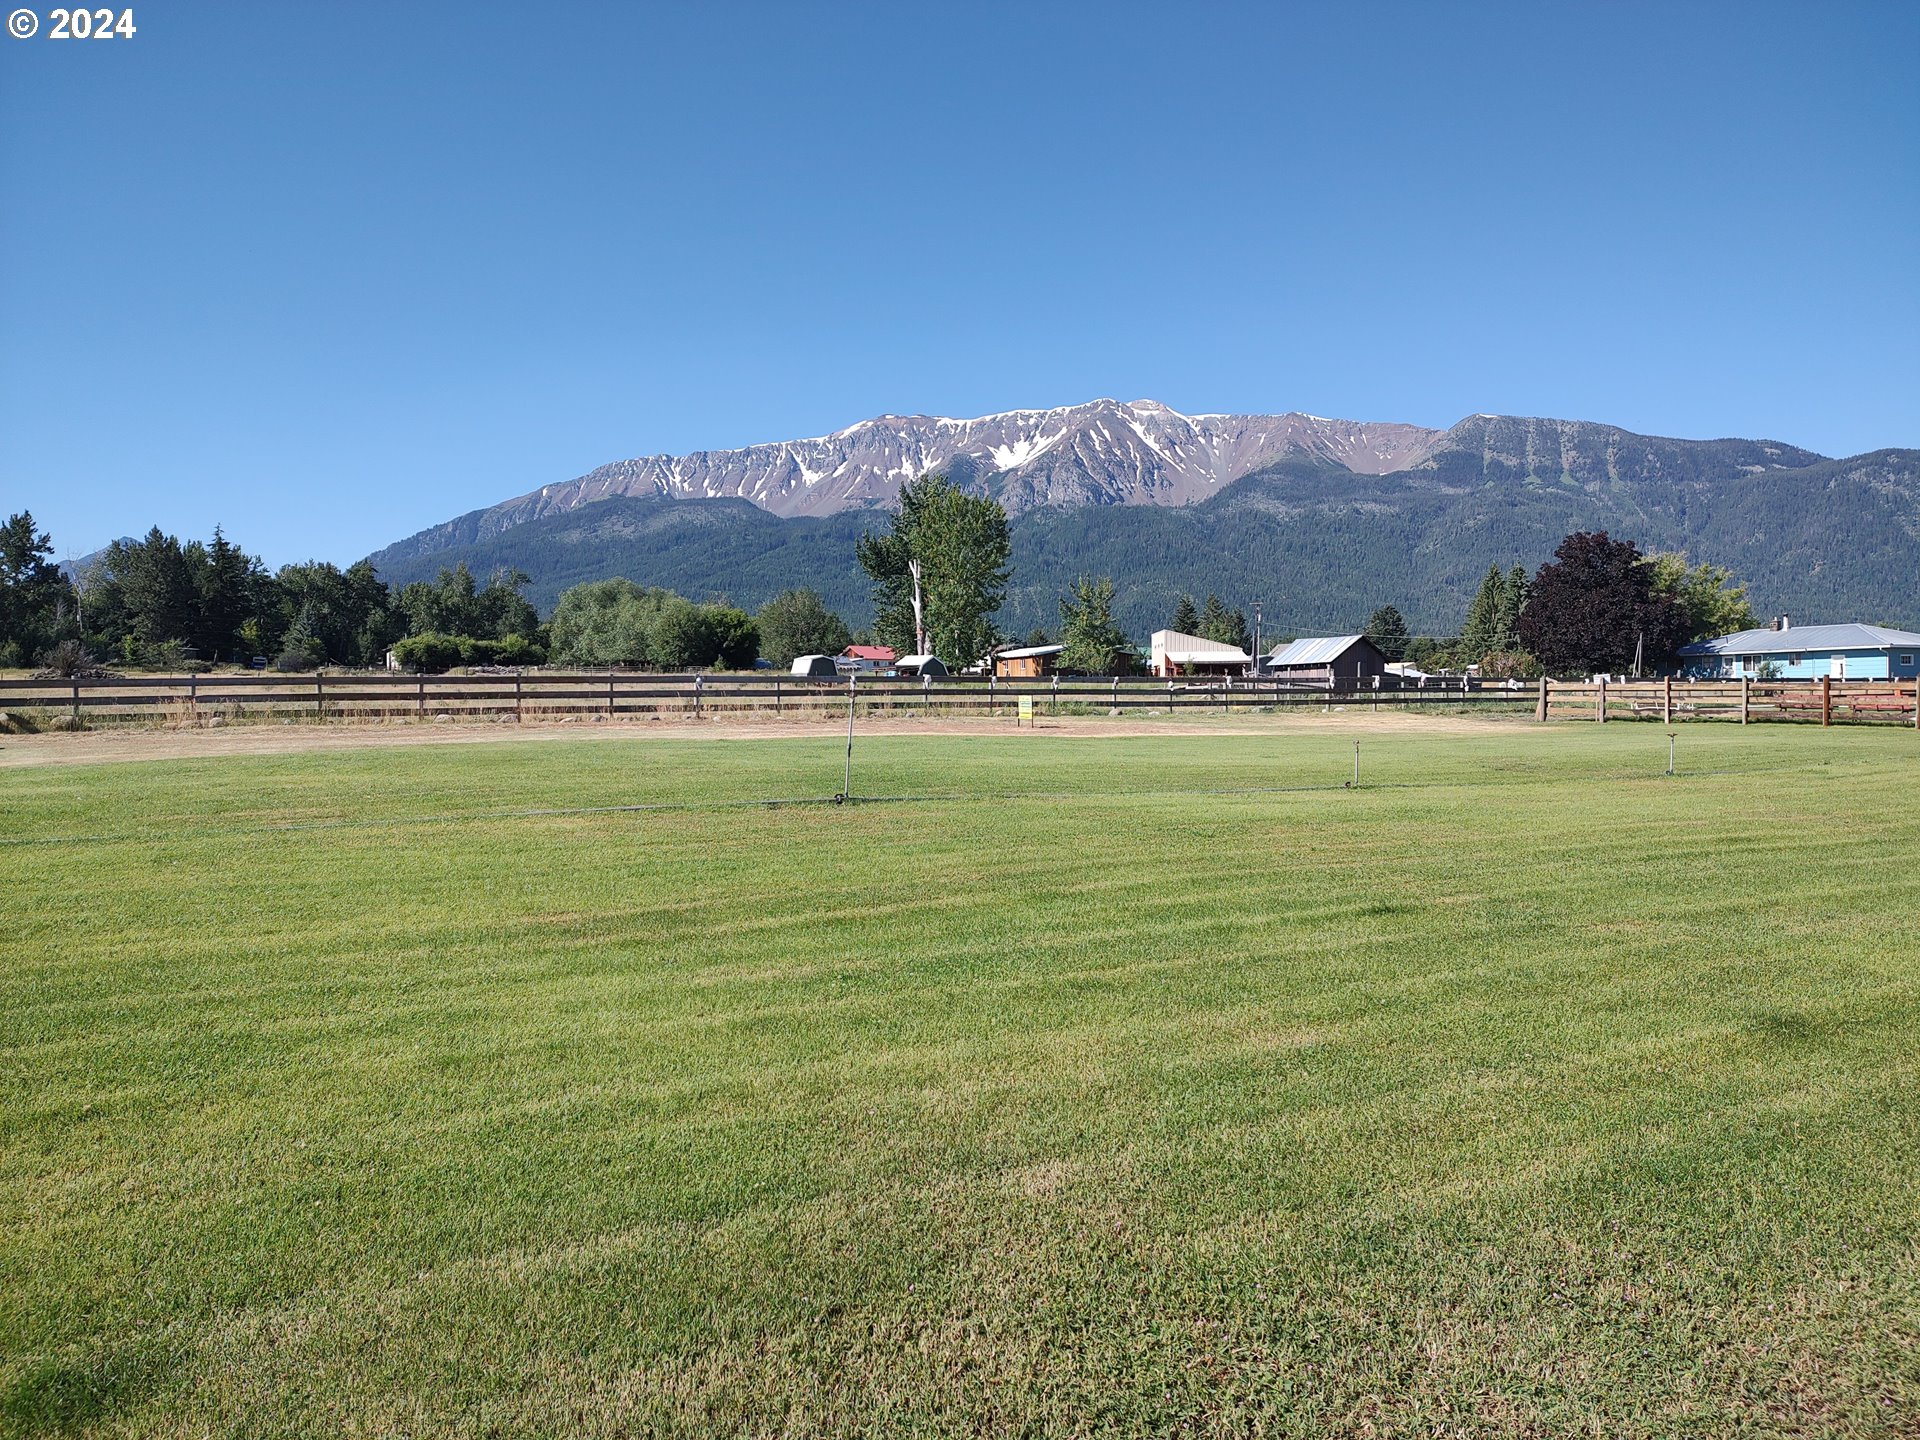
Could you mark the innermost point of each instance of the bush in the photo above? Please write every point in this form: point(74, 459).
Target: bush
point(65, 660)
point(1509, 665)
point(428, 654)
point(519, 650)
point(478, 652)
point(299, 654)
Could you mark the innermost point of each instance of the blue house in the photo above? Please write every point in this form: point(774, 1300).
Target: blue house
point(1806, 652)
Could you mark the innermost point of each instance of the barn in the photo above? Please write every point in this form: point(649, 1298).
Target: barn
point(1332, 662)
point(1027, 662)
point(1177, 654)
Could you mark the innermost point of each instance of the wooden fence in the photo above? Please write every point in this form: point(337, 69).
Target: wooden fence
point(1824, 701)
point(550, 695)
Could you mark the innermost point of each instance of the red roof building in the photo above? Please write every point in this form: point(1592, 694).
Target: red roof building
point(872, 654)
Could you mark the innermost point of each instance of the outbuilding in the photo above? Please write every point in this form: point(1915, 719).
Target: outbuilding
point(815, 667)
point(859, 659)
point(929, 665)
point(1029, 662)
point(1174, 653)
point(1333, 662)
point(1786, 651)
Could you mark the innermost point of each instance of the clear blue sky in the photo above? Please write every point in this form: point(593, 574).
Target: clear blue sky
point(328, 271)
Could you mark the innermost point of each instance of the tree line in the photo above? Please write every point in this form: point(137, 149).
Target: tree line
point(1599, 605)
point(938, 572)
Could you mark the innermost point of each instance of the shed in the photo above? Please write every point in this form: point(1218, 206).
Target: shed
point(1806, 652)
point(1028, 662)
point(930, 665)
point(815, 667)
point(1337, 662)
point(1175, 653)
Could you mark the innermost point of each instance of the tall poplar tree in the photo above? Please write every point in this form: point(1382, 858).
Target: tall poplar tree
point(961, 543)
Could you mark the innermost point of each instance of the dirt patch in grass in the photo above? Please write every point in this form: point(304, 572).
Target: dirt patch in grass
point(95, 747)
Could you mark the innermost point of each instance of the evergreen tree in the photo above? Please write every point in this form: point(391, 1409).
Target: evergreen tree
point(1387, 628)
point(156, 583)
point(1513, 599)
point(1087, 628)
point(35, 599)
point(1480, 635)
point(302, 648)
point(1216, 623)
point(1186, 619)
point(228, 582)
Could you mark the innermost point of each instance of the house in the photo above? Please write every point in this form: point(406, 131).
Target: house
point(1334, 662)
point(815, 667)
point(858, 659)
point(918, 665)
point(1176, 654)
point(1028, 662)
point(1787, 651)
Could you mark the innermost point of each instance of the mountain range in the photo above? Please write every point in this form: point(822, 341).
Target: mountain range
point(1320, 519)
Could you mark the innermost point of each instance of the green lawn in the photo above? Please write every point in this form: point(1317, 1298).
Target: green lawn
point(1521, 1091)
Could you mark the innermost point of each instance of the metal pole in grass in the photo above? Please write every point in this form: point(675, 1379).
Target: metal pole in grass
point(1669, 752)
point(1356, 764)
point(846, 792)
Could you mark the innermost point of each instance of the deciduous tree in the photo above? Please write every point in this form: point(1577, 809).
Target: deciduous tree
point(797, 622)
point(960, 542)
point(1593, 605)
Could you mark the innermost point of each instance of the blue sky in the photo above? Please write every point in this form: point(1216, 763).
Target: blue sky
point(328, 271)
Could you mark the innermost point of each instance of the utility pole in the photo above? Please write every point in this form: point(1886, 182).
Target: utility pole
point(1256, 638)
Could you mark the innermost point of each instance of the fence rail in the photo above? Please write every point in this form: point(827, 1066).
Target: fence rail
point(545, 695)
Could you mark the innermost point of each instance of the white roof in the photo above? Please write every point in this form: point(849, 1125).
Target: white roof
point(1316, 650)
point(1197, 650)
point(1029, 652)
point(1796, 639)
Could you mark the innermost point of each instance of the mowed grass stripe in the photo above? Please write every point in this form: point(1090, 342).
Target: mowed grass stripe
point(1523, 1107)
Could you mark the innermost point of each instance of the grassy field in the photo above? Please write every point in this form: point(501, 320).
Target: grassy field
point(1148, 1085)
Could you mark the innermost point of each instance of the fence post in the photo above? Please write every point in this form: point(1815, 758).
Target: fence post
point(1668, 709)
point(1056, 692)
point(1540, 705)
point(76, 701)
point(193, 695)
point(926, 694)
point(1600, 708)
point(420, 697)
point(609, 694)
point(1746, 693)
point(518, 717)
point(776, 694)
point(1826, 700)
point(1169, 697)
point(992, 705)
point(320, 697)
point(1916, 702)
point(1113, 702)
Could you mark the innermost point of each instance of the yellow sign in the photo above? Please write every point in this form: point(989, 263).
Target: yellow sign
point(1026, 707)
